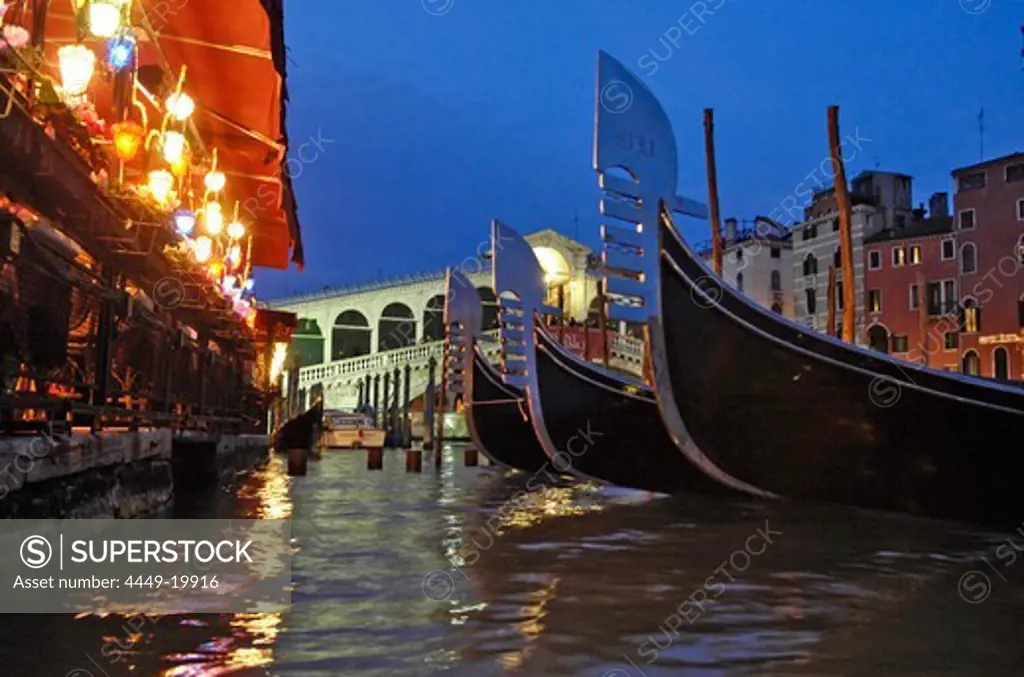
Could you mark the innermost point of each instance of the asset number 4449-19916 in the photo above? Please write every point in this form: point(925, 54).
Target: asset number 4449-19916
point(178, 582)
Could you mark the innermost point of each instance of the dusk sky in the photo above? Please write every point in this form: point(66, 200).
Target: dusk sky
point(436, 116)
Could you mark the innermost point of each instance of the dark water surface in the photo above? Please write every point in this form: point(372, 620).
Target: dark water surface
point(467, 573)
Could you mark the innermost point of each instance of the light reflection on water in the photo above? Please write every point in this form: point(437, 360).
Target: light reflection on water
point(561, 580)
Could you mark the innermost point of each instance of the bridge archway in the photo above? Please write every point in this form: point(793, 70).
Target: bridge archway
point(433, 319)
point(308, 342)
point(351, 335)
point(489, 306)
point(397, 327)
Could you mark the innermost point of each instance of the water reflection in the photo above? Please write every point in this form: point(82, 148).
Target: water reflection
point(571, 579)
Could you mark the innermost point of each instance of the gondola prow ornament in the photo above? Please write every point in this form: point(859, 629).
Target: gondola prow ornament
point(517, 273)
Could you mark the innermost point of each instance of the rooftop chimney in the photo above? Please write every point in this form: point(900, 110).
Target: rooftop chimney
point(730, 230)
point(938, 205)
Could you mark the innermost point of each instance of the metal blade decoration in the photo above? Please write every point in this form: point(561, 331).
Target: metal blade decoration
point(463, 318)
point(633, 137)
point(517, 272)
point(635, 157)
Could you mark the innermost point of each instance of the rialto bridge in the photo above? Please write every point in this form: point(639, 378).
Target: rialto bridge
point(376, 328)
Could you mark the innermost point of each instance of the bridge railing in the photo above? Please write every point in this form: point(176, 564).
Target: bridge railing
point(625, 353)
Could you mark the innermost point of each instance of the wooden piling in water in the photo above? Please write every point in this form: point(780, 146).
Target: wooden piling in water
point(413, 460)
point(298, 462)
point(375, 459)
point(406, 418)
point(428, 405)
point(470, 457)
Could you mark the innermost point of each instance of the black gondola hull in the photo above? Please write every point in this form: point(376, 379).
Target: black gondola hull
point(607, 427)
point(788, 411)
point(498, 420)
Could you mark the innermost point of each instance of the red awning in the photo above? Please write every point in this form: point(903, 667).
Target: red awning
point(234, 54)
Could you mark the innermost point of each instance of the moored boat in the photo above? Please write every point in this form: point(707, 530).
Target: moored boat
point(590, 421)
point(496, 414)
point(350, 430)
point(758, 401)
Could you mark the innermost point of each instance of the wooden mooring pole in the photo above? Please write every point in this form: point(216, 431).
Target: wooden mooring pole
point(716, 222)
point(845, 230)
point(441, 406)
point(830, 318)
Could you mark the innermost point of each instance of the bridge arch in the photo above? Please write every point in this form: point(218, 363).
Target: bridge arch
point(396, 328)
point(351, 336)
point(433, 319)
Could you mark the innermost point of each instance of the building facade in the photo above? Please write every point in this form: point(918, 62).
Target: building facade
point(757, 259)
point(910, 278)
point(879, 201)
point(989, 212)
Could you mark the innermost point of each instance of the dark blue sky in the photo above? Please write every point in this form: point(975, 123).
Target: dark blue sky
point(431, 125)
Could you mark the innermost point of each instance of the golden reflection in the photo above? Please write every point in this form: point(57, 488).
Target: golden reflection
point(263, 630)
point(532, 626)
point(252, 636)
point(532, 508)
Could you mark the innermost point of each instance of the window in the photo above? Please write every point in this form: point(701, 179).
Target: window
point(874, 260)
point(875, 300)
point(915, 298)
point(951, 340)
point(835, 225)
point(739, 281)
point(776, 253)
point(972, 316)
point(899, 256)
point(968, 258)
point(812, 301)
point(1020, 209)
point(967, 221)
point(915, 254)
point(839, 295)
point(814, 231)
point(899, 343)
point(805, 234)
point(901, 220)
point(739, 253)
point(837, 258)
point(941, 297)
point(949, 293)
point(948, 250)
point(1015, 172)
point(776, 281)
point(1020, 250)
point(1020, 311)
point(970, 363)
point(810, 265)
point(777, 308)
point(971, 181)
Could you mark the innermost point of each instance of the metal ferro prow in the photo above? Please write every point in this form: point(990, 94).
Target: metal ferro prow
point(463, 318)
point(635, 157)
point(517, 273)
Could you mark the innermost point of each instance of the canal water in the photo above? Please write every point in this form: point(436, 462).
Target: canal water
point(469, 572)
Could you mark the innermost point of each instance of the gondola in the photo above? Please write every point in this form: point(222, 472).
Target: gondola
point(496, 414)
point(301, 431)
point(590, 421)
point(761, 401)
